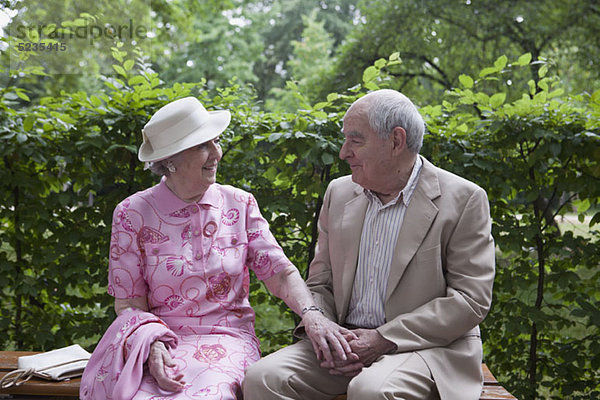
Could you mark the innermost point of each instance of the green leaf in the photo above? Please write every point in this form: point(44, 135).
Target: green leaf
point(327, 158)
point(543, 70)
point(332, 97)
point(394, 56)
point(96, 102)
point(501, 62)
point(120, 70)
point(320, 115)
point(22, 95)
point(462, 128)
point(466, 81)
point(556, 93)
point(523, 60)
point(370, 74)
point(380, 63)
point(487, 71)
point(128, 65)
point(28, 123)
point(532, 87)
point(136, 80)
point(497, 100)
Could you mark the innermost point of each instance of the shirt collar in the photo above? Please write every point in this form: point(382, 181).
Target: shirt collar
point(167, 202)
point(406, 193)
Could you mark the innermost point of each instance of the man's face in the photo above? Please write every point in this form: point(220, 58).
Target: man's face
point(369, 156)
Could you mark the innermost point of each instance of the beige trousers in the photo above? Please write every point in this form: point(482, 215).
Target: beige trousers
point(294, 373)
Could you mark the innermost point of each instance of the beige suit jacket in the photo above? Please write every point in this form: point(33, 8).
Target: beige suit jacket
point(440, 282)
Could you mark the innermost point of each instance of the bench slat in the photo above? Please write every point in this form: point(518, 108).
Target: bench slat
point(70, 389)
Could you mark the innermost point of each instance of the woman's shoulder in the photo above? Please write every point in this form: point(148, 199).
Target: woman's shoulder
point(231, 191)
point(137, 199)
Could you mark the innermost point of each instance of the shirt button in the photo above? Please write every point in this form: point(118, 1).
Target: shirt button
point(155, 251)
point(234, 241)
point(194, 209)
point(198, 256)
point(196, 233)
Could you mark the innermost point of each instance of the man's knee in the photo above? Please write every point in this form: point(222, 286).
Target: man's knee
point(404, 376)
point(362, 387)
point(260, 376)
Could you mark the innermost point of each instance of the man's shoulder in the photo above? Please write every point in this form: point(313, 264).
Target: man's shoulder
point(344, 185)
point(447, 179)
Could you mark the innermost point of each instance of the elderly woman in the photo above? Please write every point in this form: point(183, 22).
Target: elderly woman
point(180, 253)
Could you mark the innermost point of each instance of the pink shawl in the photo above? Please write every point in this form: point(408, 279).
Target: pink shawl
point(116, 367)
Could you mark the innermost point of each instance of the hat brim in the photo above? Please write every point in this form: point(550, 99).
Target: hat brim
point(218, 121)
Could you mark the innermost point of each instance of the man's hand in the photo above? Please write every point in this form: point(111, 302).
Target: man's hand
point(368, 345)
point(329, 340)
point(158, 361)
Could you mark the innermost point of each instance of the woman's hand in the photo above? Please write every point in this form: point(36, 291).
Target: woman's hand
point(327, 336)
point(158, 361)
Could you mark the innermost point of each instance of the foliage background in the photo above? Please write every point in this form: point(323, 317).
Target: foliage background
point(523, 125)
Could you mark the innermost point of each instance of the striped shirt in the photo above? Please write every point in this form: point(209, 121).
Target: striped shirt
point(377, 243)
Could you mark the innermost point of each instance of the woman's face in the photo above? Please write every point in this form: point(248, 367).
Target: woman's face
point(197, 166)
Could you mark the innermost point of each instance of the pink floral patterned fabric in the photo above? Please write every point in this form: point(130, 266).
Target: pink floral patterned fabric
point(116, 368)
point(192, 261)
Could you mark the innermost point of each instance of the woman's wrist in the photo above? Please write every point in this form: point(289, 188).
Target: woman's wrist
point(311, 308)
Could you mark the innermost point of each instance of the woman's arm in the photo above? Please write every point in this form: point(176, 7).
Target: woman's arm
point(159, 357)
point(324, 334)
point(141, 303)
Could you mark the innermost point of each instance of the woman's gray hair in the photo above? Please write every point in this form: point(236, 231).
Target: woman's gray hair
point(388, 109)
point(160, 167)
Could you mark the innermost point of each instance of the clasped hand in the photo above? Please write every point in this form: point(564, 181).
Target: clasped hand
point(366, 345)
point(159, 360)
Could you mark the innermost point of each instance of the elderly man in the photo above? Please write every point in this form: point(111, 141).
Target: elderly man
point(404, 264)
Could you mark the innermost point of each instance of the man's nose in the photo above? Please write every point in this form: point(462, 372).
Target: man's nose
point(344, 151)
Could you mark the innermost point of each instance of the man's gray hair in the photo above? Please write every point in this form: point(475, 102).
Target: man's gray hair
point(388, 109)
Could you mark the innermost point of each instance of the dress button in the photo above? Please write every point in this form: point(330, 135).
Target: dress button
point(196, 233)
point(198, 256)
point(194, 209)
point(155, 251)
point(234, 241)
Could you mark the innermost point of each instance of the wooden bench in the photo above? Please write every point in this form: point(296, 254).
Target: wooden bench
point(491, 388)
point(37, 388)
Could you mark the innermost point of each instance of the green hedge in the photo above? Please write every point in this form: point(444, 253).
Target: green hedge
point(66, 161)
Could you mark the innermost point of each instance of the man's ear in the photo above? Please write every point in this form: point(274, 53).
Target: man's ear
point(399, 139)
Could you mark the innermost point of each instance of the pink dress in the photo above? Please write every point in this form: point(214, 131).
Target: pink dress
point(191, 260)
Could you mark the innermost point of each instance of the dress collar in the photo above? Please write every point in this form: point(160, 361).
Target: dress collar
point(167, 202)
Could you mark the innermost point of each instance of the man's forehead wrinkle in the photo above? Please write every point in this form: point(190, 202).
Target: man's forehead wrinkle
point(354, 134)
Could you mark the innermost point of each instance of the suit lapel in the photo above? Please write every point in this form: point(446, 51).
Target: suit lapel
point(352, 223)
point(418, 218)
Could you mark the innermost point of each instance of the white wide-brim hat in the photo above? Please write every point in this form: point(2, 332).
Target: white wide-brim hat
point(179, 125)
